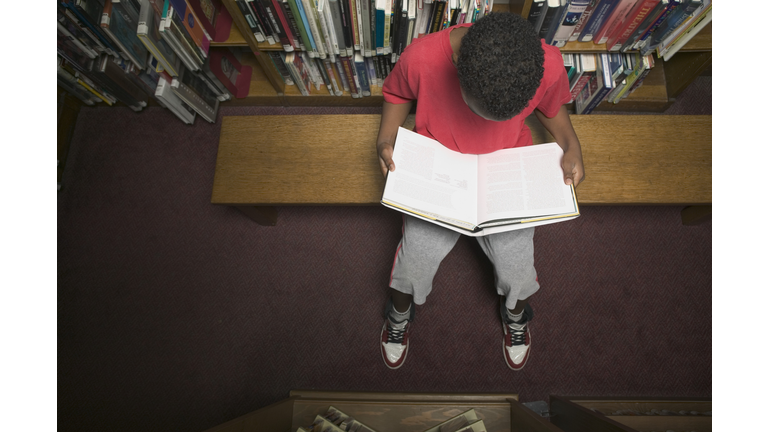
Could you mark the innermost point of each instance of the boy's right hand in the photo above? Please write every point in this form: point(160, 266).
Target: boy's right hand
point(385, 150)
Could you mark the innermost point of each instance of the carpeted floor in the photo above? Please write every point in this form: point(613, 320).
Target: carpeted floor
point(178, 315)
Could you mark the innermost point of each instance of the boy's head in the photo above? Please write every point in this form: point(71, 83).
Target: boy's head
point(500, 65)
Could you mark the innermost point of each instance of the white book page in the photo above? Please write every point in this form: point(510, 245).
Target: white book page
point(432, 179)
point(523, 182)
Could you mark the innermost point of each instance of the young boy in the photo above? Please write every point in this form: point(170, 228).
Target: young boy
point(475, 85)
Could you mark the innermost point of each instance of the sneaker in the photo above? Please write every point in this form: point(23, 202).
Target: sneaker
point(394, 338)
point(517, 337)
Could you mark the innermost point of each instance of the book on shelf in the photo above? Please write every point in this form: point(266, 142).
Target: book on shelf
point(253, 24)
point(149, 34)
point(467, 421)
point(74, 33)
point(286, 25)
point(639, 42)
point(214, 17)
point(586, 69)
point(362, 74)
point(334, 87)
point(258, 11)
point(695, 17)
point(670, 50)
point(574, 10)
point(676, 18)
point(550, 17)
point(326, 31)
point(192, 25)
point(597, 88)
point(339, 69)
point(173, 36)
point(113, 76)
point(191, 89)
point(477, 195)
point(614, 20)
point(583, 20)
point(88, 13)
point(599, 16)
point(644, 25)
point(354, 15)
point(168, 99)
point(624, 29)
point(235, 77)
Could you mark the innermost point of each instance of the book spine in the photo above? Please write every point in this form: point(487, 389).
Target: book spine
point(328, 65)
point(261, 16)
point(615, 20)
point(277, 7)
point(354, 14)
point(362, 74)
point(342, 75)
point(311, 12)
point(297, 6)
point(650, 18)
point(583, 20)
point(598, 18)
point(325, 30)
point(297, 31)
point(632, 21)
point(251, 21)
point(569, 22)
point(640, 42)
point(338, 27)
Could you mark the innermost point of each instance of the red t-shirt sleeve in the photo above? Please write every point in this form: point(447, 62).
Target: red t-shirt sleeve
point(398, 88)
point(559, 92)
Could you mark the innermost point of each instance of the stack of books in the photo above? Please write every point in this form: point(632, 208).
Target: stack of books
point(336, 421)
point(624, 26)
point(129, 51)
point(343, 47)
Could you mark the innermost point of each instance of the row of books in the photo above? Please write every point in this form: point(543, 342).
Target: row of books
point(133, 50)
point(335, 420)
point(330, 28)
point(642, 26)
point(611, 77)
point(354, 75)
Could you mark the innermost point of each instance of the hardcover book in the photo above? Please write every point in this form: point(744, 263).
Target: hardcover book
point(477, 195)
point(598, 18)
point(568, 24)
point(234, 76)
point(195, 93)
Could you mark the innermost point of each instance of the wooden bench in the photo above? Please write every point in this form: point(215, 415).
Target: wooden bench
point(269, 161)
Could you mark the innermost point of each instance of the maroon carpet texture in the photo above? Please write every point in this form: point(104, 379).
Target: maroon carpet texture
point(178, 315)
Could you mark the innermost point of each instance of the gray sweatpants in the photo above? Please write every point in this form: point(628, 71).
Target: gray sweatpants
point(424, 245)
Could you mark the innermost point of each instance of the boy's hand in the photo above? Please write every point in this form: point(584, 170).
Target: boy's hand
point(385, 150)
point(573, 167)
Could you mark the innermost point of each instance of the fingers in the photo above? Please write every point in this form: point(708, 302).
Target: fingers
point(573, 175)
point(385, 159)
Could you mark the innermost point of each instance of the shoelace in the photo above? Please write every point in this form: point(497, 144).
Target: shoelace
point(517, 333)
point(395, 334)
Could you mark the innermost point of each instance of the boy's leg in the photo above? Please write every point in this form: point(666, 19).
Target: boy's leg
point(512, 256)
point(421, 250)
point(423, 247)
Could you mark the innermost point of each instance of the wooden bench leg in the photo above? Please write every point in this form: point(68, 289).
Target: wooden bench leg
point(261, 215)
point(695, 215)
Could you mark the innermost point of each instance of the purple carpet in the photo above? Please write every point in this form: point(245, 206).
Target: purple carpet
point(178, 315)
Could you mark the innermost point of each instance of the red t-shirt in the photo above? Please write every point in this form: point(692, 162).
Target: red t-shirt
point(426, 73)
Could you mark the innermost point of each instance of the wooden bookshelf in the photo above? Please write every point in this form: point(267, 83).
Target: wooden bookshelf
point(665, 81)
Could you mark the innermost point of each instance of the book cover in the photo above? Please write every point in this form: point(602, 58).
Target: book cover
point(550, 16)
point(171, 39)
point(583, 20)
point(600, 14)
point(673, 48)
point(643, 38)
point(617, 17)
point(473, 194)
point(234, 76)
point(362, 74)
point(649, 19)
point(214, 17)
point(631, 21)
point(192, 25)
point(571, 18)
point(693, 19)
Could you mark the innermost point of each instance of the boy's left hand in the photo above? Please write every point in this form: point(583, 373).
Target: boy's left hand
point(573, 167)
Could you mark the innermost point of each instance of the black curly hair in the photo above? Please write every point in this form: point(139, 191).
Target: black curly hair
point(500, 64)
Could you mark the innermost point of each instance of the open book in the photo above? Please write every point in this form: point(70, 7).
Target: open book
point(478, 195)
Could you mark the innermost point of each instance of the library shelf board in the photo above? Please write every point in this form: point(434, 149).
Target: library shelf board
point(478, 195)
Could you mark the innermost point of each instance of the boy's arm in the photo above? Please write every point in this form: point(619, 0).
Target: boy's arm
point(392, 117)
point(562, 130)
